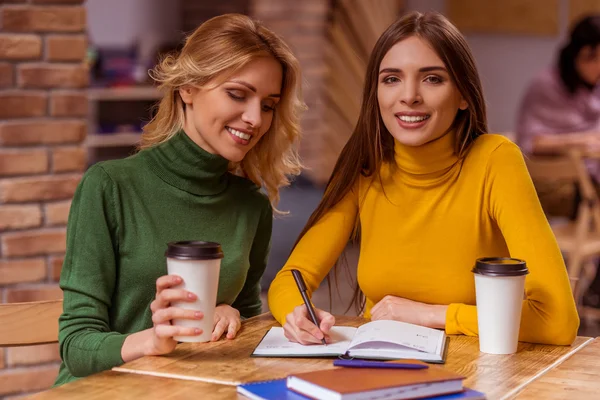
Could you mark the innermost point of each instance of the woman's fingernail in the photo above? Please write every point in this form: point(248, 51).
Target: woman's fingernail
point(197, 331)
point(198, 314)
point(191, 296)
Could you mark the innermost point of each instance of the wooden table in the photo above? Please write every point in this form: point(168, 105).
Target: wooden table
point(122, 386)
point(212, 370)
point(578, 377)
point(229, 362)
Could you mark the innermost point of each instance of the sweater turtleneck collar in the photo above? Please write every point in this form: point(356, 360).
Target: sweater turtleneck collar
point(426, 163)
point(180, 162)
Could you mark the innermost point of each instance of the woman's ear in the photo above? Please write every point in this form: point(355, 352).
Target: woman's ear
point(463, 104)
point(187, 93)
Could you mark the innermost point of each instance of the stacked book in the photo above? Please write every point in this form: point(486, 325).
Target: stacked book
point(427, 382)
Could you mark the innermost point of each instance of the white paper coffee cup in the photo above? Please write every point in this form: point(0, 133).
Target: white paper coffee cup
point(198, 264)
point(499, 288)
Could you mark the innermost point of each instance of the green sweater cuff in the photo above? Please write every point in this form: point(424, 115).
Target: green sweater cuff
point(101, 356)
point(111, 348)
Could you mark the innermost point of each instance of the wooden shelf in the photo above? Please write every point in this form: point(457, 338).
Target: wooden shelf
point(124, 93)
point(126, 139)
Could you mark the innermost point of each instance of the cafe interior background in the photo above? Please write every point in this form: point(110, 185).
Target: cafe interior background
point(74, 90)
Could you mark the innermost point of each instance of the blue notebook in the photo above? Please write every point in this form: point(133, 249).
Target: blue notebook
point(277, 390)
point(269, 390)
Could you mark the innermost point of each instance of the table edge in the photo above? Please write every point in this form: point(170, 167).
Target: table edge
point(176, 376)
point(523, 385)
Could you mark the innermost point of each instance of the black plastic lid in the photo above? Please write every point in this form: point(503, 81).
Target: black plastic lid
point(194, 250)
point(500, 266)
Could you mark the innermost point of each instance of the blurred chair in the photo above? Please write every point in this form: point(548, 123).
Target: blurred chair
point(24, 324)
point(579, 240)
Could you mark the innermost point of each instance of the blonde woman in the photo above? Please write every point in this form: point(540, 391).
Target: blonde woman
point(225, 128)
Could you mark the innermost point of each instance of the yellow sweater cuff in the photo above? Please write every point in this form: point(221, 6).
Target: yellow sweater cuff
point(461, 319)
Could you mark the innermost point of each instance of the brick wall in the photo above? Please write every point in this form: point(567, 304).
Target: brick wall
point(195, 12)
point(43, 106)
point(303, 25)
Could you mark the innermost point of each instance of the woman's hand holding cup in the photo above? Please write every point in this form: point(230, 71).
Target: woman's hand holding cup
point(162, 314)
point(299, 328)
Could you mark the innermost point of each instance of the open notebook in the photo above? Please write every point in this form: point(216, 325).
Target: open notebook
point(383, 340)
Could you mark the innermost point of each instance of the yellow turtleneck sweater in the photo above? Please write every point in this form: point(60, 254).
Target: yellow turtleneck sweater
point(424, 225)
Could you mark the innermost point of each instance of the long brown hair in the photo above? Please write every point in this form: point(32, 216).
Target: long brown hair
point(371, 144)
point(215, 50)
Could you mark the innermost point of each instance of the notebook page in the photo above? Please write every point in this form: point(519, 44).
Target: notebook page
point(383, 353)
point(413, 336)
point(275, 343)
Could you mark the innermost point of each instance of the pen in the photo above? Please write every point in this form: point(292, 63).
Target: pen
point(377, 364)
point(302, 288)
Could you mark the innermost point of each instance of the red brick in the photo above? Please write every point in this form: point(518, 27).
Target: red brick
point(56, 264)
point(33, 293)
point(20, 47)
point(277, 10)
point(41, 132)
point(66, 48)
point(21, 104)
point(27, 379)
point(307, 44)
point(33, 243)
point(43, 19)
point(69, 159)
point(47, 76)
point(57, 213)
point(22, 162)
point(19, 217)
point(25, 270)
point(29, 355)
point(304, 26)
point(7, 78)
point(43, 188)
point(68, 104)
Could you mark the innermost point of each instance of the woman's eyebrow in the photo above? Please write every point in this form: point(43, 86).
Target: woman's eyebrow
point(424, 69)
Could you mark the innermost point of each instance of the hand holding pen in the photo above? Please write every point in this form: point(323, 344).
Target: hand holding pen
point(300, 326)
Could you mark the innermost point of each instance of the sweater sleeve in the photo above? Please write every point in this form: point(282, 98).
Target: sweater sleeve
point(248, 301)
point(549, 314)
point(87, 344)
point(314, 256)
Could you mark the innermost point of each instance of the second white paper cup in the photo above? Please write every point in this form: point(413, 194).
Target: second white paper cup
point(198, 264)
point(499, 288)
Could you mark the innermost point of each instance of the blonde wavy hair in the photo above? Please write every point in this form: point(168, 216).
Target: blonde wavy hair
point(215, 50)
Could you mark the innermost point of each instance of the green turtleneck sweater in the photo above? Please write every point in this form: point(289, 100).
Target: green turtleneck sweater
point(123, 214)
